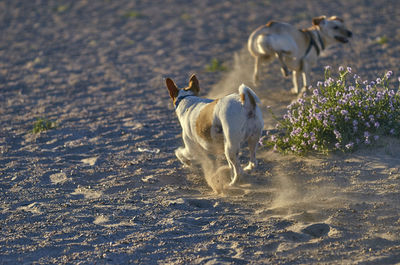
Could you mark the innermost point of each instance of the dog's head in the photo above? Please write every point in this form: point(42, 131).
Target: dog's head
point(333, 28)
point(175, 93)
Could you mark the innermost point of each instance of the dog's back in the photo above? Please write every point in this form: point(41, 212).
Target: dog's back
point(239, 115)
point(273, 37)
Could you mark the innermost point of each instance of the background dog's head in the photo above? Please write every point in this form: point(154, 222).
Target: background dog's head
point(332, 28)
point(192, 89)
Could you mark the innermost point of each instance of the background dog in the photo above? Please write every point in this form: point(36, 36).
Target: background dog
point(295, 49)
point(217, 126)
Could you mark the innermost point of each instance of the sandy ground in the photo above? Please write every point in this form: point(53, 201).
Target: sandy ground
point(104, 186)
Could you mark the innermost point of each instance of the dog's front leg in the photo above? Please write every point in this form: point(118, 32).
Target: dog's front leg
point(305, 82)
point(295, 78)
point(184, 156)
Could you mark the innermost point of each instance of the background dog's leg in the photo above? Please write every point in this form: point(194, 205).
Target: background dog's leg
point(295, 88)
point(257, 65)
point(284, 69)
point(305, 82)
point(259, 61)
point(252, 142)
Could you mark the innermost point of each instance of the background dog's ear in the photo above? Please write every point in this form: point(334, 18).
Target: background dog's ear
point(317, 20)
point(336, 18)
point(172, 88)
point(194, 84)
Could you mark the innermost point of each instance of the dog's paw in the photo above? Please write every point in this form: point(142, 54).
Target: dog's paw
point(232, 183)
point(294, 91)
point(256, 81)
point(285, 71)
point(250, 167)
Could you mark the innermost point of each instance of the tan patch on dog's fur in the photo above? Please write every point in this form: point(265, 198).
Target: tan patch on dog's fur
point(251, 98)
point(336, 18)
point(204, 121)
point(270, 23)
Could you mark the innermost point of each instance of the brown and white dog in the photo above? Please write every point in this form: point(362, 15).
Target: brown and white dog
point(295, 49)
point(217, 126)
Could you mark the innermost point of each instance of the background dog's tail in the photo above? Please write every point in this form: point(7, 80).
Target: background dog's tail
point(248, 97)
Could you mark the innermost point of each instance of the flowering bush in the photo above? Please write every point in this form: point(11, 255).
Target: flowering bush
point(340, 114)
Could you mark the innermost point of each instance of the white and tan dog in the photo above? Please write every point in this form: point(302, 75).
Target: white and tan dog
point(295, 49)
point(217, 126)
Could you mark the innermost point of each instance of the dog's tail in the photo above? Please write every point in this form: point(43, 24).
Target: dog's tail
point(248, 97)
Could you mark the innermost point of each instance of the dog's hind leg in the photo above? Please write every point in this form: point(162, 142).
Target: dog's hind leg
point(284, 68)
point(257, 65)
point(259, 60)
point(252, 142)
point(231, 154)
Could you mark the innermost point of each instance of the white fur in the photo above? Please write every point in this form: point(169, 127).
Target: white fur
point(233, 123)
point(289, 45)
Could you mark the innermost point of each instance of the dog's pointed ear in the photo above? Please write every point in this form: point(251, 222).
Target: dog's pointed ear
point(172, 88)
point(194, 84)
point(317, 20)
point(336, 18)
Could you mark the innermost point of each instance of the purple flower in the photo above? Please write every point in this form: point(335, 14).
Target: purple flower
point(355, 122)
point(367, 124)
point(366, 134)
point(337, 134)
point(391, 131)
point(295, 132)
point(378, 81)
point(327, 68)
point(319, 83)
point(341, 68)
point(349, 69)
point(349, 145)
point(344, 112)
point(376, 124)
point(337, 145)
point(316, 92)
point(389, 74)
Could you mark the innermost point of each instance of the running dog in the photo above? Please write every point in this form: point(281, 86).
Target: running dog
point(295, 49)
point(217, 126)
